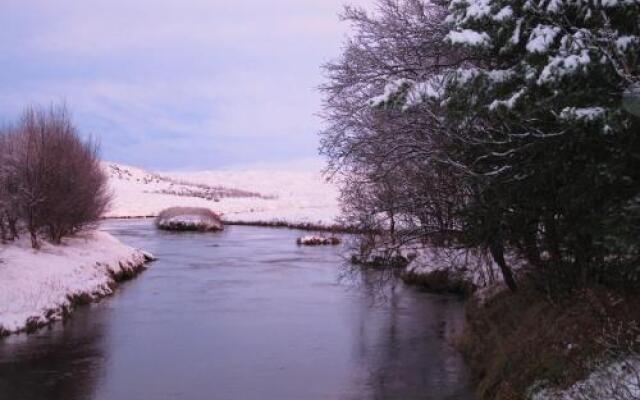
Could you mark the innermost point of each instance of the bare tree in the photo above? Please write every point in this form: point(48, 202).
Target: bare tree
point(391, 158)
point(60, 187)
point(9, 185)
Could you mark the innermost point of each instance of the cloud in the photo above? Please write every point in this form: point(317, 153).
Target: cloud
point(175, 84)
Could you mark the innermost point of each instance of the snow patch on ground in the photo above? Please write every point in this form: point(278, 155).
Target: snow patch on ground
point(40, 286)
point(458, 270)
point(619, 380)
point(472, 267)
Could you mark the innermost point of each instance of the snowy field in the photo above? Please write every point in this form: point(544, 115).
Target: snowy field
point(250, 196)
point(39, 286)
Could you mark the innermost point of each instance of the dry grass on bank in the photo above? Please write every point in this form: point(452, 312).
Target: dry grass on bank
point(303, 226)
point(517, 340)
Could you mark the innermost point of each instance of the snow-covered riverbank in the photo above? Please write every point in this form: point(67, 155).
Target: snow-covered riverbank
point(41, 286)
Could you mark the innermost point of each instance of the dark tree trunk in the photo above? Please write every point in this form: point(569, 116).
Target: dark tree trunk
point(497, 252)
point(3, 230)
point(552, 240)
point(13, 222)
point(530, 248)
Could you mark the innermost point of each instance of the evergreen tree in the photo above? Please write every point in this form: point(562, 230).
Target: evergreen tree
point(540, 129)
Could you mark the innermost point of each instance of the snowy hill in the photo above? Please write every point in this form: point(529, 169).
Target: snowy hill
point(251, 196)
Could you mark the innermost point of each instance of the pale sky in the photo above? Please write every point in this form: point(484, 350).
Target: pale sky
point(182, 84)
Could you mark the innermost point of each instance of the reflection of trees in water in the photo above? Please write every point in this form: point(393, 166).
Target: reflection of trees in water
point(402, 345)
point(63, 362)
point(377, 284)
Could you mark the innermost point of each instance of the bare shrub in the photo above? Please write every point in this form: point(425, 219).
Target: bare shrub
point(8, 186)
point(56, 185)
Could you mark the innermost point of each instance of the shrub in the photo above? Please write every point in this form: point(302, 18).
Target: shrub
point(56, 185)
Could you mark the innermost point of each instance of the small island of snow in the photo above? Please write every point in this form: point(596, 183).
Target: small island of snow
point(318, 240)
point(189, 219)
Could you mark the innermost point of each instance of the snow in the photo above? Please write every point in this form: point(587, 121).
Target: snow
point(500, 75)
point(293, 196)
point(39, 286)
point(416, 92)
point(554, 6)
point(515, 38)
point(560, 66)
point(189, 218)
point(432, 89)
point(509, 103)
point(192, 222)
point(470, 266)
point(504, 14)
point(477, 9)
point(473, 9)
point(585, 114)
point(391, 89)
point(615, 380)
point(542, 38)
point(468, 37)
point(466, 75)
point(616, 3)
point(623, 42)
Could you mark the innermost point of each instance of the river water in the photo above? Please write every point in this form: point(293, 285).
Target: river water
point(244, 314)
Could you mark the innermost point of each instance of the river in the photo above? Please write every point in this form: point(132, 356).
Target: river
point(244, 314)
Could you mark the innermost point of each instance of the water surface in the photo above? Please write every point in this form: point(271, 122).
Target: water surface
point(240, 315)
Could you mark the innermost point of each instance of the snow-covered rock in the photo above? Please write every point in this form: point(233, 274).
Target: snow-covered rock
point(40, 286)
point(318, 240)
point(189, 219)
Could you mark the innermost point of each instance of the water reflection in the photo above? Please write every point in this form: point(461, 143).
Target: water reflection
point(406, 354)
point(61, 362)
point(244, 314)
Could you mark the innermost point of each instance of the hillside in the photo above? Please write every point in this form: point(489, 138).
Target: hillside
point(250, 196)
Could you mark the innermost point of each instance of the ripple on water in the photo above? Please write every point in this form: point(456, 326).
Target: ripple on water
point(244, 314)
